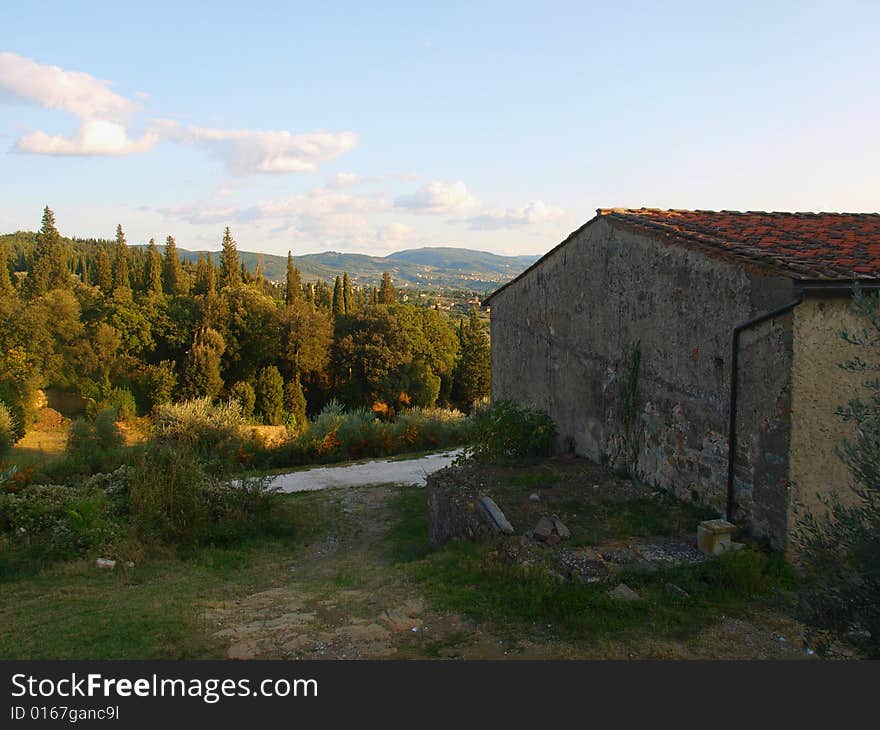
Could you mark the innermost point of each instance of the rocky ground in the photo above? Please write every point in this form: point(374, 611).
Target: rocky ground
point(343, 598)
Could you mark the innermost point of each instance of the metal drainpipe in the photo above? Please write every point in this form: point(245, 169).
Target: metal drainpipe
point(734, 378)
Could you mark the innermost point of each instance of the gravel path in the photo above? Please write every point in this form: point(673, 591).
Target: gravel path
point(408, 471)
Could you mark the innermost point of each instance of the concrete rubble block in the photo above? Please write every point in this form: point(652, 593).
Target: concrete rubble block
point(493, 515)
point(534, 497)
point(105, 563)
point(622, 592)
point(561, 529)
point(543, 529)
point(714, 536)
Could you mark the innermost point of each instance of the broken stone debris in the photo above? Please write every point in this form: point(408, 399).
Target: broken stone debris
point(105, 563)
point(622, 592)
point(551, 530)
point(494, 516)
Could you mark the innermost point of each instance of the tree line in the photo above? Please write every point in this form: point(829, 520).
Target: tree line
point(130, 328)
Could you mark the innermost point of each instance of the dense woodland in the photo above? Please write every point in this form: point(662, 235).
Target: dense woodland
point(130, 328)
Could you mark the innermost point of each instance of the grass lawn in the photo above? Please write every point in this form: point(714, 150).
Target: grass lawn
point(37, 449)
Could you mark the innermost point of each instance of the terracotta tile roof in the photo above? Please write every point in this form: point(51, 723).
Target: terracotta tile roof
point(827, 246)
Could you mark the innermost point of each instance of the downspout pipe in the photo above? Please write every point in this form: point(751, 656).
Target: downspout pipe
point(734, 390)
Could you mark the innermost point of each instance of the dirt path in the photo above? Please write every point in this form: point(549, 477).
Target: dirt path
point(343, 599)
point(404, 471)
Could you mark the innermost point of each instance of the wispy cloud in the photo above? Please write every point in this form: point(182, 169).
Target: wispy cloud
point(439, 198)
point(534, 213)
point(246, 151)
point(342, 180)
point(104, 115)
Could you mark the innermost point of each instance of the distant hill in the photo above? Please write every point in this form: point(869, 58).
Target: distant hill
point(423, 268)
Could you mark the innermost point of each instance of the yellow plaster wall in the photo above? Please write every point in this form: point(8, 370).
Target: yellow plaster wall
point(820, 386)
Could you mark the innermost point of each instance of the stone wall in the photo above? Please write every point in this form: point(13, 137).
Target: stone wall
point(563, 338)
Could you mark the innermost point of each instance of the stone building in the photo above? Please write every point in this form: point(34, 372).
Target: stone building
point(624, 333)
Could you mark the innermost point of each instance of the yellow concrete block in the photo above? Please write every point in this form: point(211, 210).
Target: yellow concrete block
point(713, 536)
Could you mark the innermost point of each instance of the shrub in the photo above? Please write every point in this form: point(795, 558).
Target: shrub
point(841, 549)
point(59, 522)
point(244, 393)
point(93, 445)
point(505, 430)
point(295, 405)
point(269, 390)
point(211, 430)
point(173, 498)
point(8, 429)
point(122, 402)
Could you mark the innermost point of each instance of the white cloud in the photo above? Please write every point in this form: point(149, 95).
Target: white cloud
point(104, 115)
point(245, 151)
point(533, 213)
point(342, 180)
point(439, 198)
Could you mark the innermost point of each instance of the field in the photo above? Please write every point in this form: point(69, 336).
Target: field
point(353, 579)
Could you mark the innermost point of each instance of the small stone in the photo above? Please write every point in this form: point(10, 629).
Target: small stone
point(678, 590)
point(534, 497)
point(105, 563)
point(561, 529)
point(624, 593)
point(737, 546)
point(544, 528)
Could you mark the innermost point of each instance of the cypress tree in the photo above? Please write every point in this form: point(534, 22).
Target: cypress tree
point(201, 370)
point(48, 269)
point(295, 403)
point(6, 287)
point(230, 269)
point(153, 273)
point(310, 293)
point(103, 270)
point(121, 278)
point(387, 295)
point(293, 283)
point(338, 301)
point(347, 294)
point(374, 296)
point(175, 277)
point(269, 389)
point(83, 269)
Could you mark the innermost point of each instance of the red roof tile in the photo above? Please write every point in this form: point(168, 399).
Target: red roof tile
point(830, 246)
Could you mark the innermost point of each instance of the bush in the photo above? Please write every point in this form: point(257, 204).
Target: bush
point(505, 430)
point(244, 393)
point(269, 390)
point(93, 445)
point(8, 431)
point(841, 549)
point(174, 499)
point(210, 430)
point(52, 522)
point(122, 402)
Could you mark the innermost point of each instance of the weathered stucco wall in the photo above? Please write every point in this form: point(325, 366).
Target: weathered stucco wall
point(820, 387)
point(563, 337)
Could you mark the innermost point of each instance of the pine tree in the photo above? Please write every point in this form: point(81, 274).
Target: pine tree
point(121, 277)
point(103, 270)
point(48, 269)
point(153, 273)
point(174, 275)
point(206, 279)
point(338, 300)
point(293, 283)
point(387, 295)
point(230, 269)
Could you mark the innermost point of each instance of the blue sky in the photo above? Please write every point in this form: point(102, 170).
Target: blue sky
point(496, 126)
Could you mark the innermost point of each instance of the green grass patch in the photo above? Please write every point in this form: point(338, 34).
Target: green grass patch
point(407, 540)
